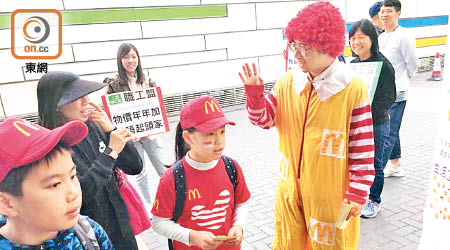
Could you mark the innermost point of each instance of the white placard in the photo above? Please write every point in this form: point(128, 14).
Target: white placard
point(142, 112)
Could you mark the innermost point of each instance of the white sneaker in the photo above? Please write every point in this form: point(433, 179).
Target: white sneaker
point(391, 170)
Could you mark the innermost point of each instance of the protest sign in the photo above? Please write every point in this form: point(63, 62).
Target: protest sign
point(142, 111)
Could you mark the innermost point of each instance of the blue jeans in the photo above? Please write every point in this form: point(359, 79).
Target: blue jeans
point(393, 149)
point(155, 152)
point(381, 136)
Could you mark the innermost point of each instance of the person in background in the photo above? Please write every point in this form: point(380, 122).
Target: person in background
point(62, 97)
point(373, 12)
point(399, 48)
point(364, 44)
point(131, 78)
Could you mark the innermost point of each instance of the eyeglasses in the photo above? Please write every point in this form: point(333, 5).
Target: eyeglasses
point(301, 47)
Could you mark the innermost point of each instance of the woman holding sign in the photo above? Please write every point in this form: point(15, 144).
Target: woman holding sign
point(364, 44)
point(100, 157)
point(131, 78)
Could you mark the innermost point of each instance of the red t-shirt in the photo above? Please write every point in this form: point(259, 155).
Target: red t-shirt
point(209, 200)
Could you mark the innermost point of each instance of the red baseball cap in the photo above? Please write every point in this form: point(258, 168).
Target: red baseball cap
point(204, 114)
point(22, 142)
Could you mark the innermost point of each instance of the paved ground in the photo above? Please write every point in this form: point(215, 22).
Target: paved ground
point(399, 223)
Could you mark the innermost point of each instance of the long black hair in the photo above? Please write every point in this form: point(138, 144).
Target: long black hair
point(123, 50)
point(181, 147)
point(50, 89)
point(369, 30)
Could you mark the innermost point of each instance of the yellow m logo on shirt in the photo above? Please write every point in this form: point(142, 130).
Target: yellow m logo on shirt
point(212, 106)
point(333, 143)
point(321, 232)
point(194, 193)
point(26, 124)
point(156, 204)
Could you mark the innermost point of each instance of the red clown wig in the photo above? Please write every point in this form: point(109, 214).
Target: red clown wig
point(319, 25)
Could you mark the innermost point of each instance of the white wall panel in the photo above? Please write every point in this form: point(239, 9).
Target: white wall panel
point(240, 17)
point(277, 15)
point(183, 58)
point(101, 32)
point(433, 8)
point(19, 98)
point(431, 51)
point(10, 6)
point(90, 4)
point(108, 50)
point(428, 31)
point(357, 10)
point(239, 1)
point(80, 68)
point(199, 76)
point(11, 68)
point(248, 44)
point(104, 66)
point(272, 67)
point(5, 41)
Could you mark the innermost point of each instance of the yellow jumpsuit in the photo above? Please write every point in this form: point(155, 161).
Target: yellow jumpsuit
point(306, 208)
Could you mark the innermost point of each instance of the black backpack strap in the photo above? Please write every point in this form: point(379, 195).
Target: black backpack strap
point(231, 170)
point(86, 234)
point(180, 193)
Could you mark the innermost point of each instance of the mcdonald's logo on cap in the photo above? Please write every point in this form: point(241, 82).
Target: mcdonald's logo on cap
point(195, 194)
point(26, 124)
point(212, 106)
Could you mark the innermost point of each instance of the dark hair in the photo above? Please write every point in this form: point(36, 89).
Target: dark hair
point(50, 89)
point(392, 3)
point(12, 183)
point(181, 147)
point(369, 30)
point(123, 50)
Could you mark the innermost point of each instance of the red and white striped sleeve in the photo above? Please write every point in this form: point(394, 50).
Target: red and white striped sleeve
point(261, 109)
point(361, 151)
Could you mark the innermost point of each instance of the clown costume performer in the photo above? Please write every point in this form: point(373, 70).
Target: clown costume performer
point(323, 117)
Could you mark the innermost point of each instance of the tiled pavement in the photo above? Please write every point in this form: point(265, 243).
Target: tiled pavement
point(399, 223)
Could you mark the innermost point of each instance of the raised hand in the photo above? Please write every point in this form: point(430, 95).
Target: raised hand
point(99, 116)
point(118, 138)
point(250, 77)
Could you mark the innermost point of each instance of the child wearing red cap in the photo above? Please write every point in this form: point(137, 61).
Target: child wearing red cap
point(40, 195)
point(215, 205)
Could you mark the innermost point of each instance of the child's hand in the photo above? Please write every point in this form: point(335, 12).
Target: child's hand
point(355, 210)
point(203, 239)
point(236, 231)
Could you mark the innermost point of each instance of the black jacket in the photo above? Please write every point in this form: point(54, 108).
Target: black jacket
point(117, 84)
point(386, 92)
point(101, 197)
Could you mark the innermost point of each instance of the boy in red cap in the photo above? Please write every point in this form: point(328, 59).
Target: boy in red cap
point(324, 123)
point(40, 195)
point(201, 202)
